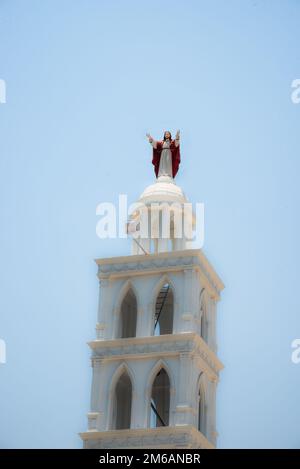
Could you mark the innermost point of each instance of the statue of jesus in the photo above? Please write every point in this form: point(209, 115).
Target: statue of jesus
point(166, 154)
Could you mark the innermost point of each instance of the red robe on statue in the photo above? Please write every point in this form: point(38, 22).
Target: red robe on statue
point(175, 151)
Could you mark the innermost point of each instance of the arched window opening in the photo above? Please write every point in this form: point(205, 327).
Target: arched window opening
point(160, 400)
point(122, 403)
point(128, 316)
point(201, 411)
point(163, 320)
point(203, 322)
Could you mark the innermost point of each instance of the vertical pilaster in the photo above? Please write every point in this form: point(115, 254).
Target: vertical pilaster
point(213, 314)
point(98, 406)
point(149, 318)
point(211, 412)
point(140, 325)
point(102, 327)
point(139, 400)
point(184, 409)
point(190, 289)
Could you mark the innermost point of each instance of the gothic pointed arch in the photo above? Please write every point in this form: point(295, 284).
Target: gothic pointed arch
point(126, 286)
point(121, 392)
point(163, 314)
point(159, 395)
point(203, 316)
point(201, 405)
point(126, 311)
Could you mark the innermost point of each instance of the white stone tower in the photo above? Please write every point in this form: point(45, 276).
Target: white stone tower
point(154, 362)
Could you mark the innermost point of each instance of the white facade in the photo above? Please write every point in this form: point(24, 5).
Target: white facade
point(154, 362)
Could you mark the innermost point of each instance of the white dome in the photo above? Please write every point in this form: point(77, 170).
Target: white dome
point(164, 190)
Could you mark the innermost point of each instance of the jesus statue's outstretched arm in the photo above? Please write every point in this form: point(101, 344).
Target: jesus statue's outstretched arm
point(177, 138)
point(151, 140)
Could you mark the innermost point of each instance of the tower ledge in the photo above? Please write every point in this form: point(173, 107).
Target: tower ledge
point(154, 346)
point(180, 436)
point(140, 264)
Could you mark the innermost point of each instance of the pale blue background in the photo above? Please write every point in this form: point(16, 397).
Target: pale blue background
point(85, 81)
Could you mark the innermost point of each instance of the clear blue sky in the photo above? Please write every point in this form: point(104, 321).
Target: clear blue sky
point(85, 81)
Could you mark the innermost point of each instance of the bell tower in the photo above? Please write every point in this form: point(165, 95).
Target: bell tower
point(154, 359)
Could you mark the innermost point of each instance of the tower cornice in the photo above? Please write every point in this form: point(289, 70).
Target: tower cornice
point(136, 265)
point(138, 348)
